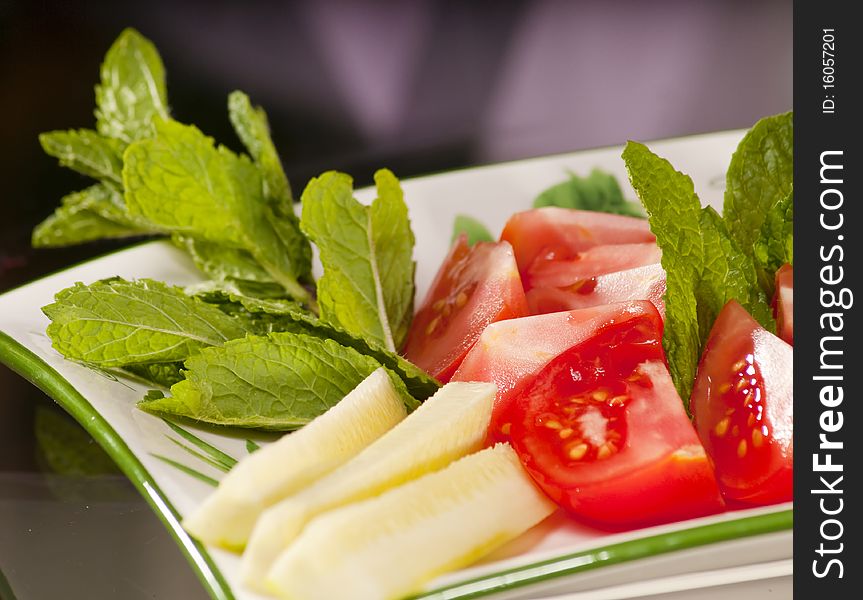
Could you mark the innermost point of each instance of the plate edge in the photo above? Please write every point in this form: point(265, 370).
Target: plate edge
point(612, 554)
point(29, 366)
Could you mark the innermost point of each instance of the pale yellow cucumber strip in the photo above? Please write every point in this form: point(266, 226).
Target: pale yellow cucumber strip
point(226, 517)
point(449, 425)
point(388, 547)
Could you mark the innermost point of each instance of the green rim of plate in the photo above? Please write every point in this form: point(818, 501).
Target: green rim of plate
point(34, 369)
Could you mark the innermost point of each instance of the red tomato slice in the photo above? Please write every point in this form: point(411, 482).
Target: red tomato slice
point(510, 353)
point(640, 283)
point(561, 233)
point(742, 402)
point(603, 431)
point(599, 260)
point(475, 286)
point(783, 303)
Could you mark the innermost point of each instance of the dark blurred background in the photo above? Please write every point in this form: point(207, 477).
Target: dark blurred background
point(416, 85)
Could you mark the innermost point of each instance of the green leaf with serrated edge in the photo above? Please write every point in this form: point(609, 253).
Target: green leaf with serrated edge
point(87, 152)
point(253, 129)
point(221, 262)
point(599, 191)
point(367, 285)
point(161, 374)
point(761, 173)
point(472, 228)
point(182, 182)
point(293, 318)
point(774, 246)
point(276, 382)
point(673, 211)
point(94, 213)
point(132, 90)
point(114, 323)
point(727, 274)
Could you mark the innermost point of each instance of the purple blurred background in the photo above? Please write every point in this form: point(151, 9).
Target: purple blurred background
point(416, 85)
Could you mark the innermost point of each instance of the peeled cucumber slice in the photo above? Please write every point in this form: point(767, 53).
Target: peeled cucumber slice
point(227, 517)
point(388, 547)
point(449, 425)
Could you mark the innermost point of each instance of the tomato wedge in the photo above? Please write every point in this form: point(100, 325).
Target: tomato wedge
point(602, 430)
point(742, 403)
point(561, 233)
point(640, 283)
point(599, 260)
point(510, 353)
point(475, 286)
point(783, 303)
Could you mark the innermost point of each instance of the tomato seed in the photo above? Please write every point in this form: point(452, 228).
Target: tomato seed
point(438, 306)
point(757, 438)
point(741, 449)
point(724, 387)
point(721, 427)
point(751, 420)
point(605, 451)
point(430, 329)
point(735, 431)
point(505, 428)
point(577, 452)
point(461, 299)
point(741, 383)
point(553, 425)
point(618, 400)
point(736, 367)
point(565, 433)
point(600, 395)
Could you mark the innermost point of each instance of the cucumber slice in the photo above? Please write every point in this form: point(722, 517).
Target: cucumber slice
point(388, 547)
point(275, 471)
point(449, 425)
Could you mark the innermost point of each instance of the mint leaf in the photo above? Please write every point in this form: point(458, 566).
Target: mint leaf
point(182, 182)
point(760, 174)
point(278, 382)
point(727, 274)
point(674, 213)
point(253, 129)
point(114, 323)
point(91, 214)
point(87, 152)
point(132, 90)
point(367, 286)
point(161, 374)
point(419, 384)
point(599, 191)
point(774, 245)
point(223, 263)
point(472, 228)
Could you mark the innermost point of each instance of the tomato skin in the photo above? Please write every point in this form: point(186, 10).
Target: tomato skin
point(561, 233)
point(641, 283)
point(783, 303)
point(510, 353)
point(742, 402)
point(603, 432)
point(475, 286)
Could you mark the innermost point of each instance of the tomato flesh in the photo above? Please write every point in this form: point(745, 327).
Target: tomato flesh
point(510, 353)
point(603, 432)
point(783, 303)
point(641, 283)
point(476, 285)
point(742, 401)
point(548, 271)
point(561, 233)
